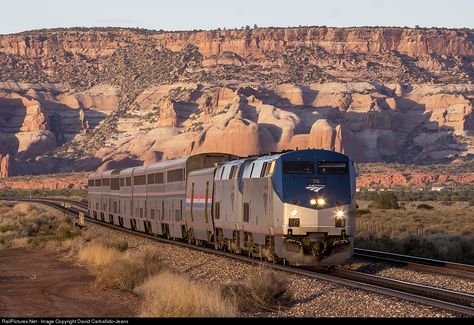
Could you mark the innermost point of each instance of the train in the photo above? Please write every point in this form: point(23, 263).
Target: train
point(295, 207)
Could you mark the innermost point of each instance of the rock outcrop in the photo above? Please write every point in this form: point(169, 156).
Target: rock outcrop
point(75, 99)
point(168, 117)
point(5, 168)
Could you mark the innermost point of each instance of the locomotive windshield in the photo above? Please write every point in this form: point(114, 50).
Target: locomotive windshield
point(302, 177)
point(298, 167)
point(332, 167)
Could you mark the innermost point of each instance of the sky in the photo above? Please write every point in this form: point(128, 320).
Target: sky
point(174, 15)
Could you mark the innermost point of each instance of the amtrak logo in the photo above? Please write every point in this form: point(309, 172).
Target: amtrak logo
point(315, 188)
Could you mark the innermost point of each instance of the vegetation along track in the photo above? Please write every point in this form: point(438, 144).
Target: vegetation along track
point(446, 299)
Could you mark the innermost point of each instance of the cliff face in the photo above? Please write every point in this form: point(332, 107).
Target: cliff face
point(76, 99)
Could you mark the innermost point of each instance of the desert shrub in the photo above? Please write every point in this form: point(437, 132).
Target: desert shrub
point(361, 212)
point(385, 200)
point(424, 206)
point(127, 272)
point(261, 292)
point(31, 225)
point(172, 295)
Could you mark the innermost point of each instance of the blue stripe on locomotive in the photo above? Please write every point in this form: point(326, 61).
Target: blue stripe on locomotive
point(291, 188)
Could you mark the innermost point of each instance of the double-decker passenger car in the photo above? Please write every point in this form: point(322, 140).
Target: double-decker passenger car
point(295, 207)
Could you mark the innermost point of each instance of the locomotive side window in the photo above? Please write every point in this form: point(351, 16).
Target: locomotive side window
point(233, 172)
point(264, 168)
point(267, 168)
point(298, 167)
point(332, 167)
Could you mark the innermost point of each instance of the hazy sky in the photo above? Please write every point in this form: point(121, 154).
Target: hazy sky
point(24, 15)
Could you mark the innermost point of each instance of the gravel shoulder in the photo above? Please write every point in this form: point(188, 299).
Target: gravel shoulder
point(314, 298)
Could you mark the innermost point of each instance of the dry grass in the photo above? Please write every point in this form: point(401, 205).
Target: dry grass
point(171, 295)
point(97, 254)
point(457, 219)
point(263, 291)
point(129, 271)
point(28, 225)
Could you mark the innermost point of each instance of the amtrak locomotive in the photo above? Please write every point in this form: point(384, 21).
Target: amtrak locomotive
point(293, 207)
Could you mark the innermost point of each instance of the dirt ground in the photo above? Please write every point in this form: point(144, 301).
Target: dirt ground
point(34, 283)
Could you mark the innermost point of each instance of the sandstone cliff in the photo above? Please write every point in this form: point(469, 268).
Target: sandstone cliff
point(77, 99)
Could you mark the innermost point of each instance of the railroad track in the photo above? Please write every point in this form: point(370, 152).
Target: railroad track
point(442, 298)
point(419, 263)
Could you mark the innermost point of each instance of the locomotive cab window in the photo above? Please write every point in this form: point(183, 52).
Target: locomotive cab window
point(332, 167)
point(298, 167)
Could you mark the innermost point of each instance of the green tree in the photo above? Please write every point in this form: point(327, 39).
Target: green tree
point(386, 200)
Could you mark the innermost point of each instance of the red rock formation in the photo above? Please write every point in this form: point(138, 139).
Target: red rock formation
point(393, 178)
point(168, 117)
point(230, 138)
point(377, 94)
point(322, 135)
point(5, 169)
point(48, 182)
point(35, 119)
point(407, 41)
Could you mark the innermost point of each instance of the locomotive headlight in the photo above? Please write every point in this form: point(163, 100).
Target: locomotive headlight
point(312, 202)
point(340, 214)
point(294, 212)
point(321, 201)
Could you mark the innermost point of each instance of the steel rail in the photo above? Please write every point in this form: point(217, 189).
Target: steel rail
point(419, 263)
